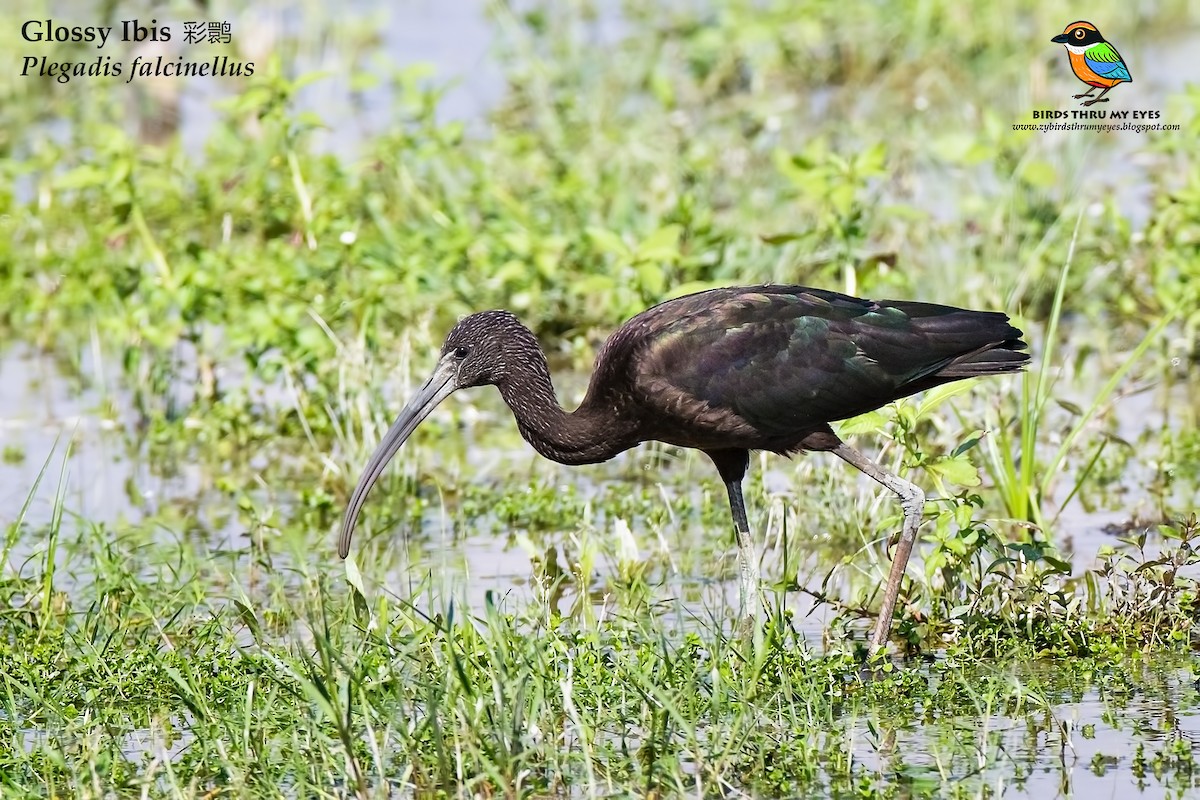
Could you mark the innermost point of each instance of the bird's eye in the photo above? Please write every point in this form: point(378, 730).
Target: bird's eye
point(462, 351)
point(1079, 34)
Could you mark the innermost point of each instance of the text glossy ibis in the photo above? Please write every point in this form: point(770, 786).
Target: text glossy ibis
point(725, 371)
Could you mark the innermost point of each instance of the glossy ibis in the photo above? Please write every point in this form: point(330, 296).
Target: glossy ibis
point(725, 371)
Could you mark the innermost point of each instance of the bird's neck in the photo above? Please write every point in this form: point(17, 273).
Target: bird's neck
point(593, 432)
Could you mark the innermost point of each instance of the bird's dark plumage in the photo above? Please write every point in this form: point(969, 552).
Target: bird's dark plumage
point(761, 367)
point(725, 371)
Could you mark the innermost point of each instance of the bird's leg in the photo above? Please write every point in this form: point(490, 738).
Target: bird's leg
point(732, 465)
point(747, 558)
point(912, 500)
point(1100, 99)
point(1088, 93)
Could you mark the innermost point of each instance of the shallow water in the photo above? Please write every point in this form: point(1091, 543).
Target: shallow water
point(1109, 742)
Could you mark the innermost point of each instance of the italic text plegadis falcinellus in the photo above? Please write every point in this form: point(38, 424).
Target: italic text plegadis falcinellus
point(725, 371)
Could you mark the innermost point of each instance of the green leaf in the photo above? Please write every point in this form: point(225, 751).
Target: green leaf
point(972, 439)
point(1069, 406)
point(1059, 565)
point(593, 285)
point(955, 469)
point(310, 78)
point(781, 238)
point(608, 242)
point(310, 120)
point(935, 397)
point(662, 245)
point(1040, 173)
point(1168, 532)
point(871, 162)
point(353, 576)
point(870, 422)
point(652, 279)
point(83, 176)
point(512, 270)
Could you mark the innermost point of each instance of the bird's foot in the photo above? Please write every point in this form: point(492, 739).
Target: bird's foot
point(754, 618)
point(1081, 96)
point(749, 584)
point(750, 601)
point(1097, 100)
point(746, 627)
point(892, 541)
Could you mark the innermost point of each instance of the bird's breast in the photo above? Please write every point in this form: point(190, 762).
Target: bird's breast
point(1086, 74)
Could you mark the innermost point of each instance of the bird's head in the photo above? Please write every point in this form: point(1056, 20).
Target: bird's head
point(1079, 34)
point(481, 349)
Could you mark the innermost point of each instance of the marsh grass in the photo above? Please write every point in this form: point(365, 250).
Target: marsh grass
point(1023, 479)
point(155, 687)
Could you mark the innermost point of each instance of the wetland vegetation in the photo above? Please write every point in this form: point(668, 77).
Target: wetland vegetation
point(203, 337)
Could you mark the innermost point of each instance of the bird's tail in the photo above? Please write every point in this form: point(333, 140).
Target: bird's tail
point(991, 359)
point(973, 343)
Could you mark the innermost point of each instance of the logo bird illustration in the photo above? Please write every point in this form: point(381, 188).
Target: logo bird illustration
point(1093, 60)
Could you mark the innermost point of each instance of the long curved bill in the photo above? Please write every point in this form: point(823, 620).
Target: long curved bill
point(439, 386)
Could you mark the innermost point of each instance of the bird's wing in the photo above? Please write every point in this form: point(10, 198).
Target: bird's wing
point(1104, 60)
point(782, 361)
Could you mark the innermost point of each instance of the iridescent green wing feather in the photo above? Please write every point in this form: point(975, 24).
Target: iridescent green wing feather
point(1104, 60)
point(783, 358)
